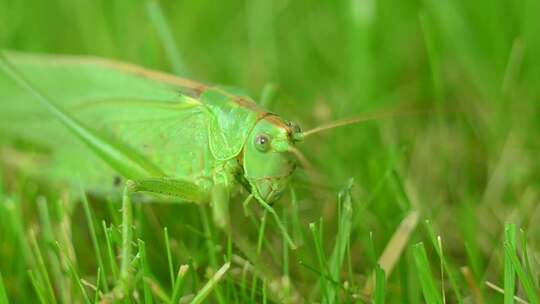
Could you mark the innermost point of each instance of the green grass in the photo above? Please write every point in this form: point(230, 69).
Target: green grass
point(425, 276)
point(470, 168)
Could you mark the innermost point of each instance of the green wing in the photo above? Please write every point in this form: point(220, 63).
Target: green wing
point(152, 117)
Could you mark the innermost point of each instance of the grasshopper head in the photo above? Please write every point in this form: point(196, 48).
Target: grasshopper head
point(268, 161)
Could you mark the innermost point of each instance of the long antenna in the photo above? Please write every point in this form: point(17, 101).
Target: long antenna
point(364, 118)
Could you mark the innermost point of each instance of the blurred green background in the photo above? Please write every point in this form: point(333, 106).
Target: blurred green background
point(468, 167)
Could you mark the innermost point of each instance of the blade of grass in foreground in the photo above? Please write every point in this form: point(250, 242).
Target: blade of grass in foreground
point(509, 272)
point(110, 250)
point(90, 219)
point(501, 291)
point(437, 243)
point(211, 247)
point(343, 237)
point(97, 293)
point(169, 255)
point(38, 287)
point(178, 288)
point(380, 286)
point(42, 272)
point(53, 260)
point(74, 274)
point(3, 294)
point(323, 275)
point(157, 290)
point(260, 240)
point(525, 253)
point(431, 294)
point(524, 278)
point(211, 284)
point(286, 278)
point(394, 248)
point(145, 272)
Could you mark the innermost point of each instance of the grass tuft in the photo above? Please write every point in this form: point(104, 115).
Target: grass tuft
point(525, 279)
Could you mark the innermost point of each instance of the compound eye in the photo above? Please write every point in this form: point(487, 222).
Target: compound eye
point(262, 142)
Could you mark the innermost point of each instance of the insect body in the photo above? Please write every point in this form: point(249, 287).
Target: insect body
point(163, 134)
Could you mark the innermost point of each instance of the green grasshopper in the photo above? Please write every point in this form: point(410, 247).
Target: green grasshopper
point(203, 141)
point(161, 134)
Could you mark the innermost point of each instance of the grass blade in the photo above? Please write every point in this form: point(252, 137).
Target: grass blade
point(74, 274)
point(295, 223)
point(90, 219)
point(501, 291)
point(166, 36)
point(509, 272)
point(476, 292)
point(110, 250)
point(393, 250)
point(279, 223)
point(429, 288)
point(268, 95)
point(143, 264)
point(343, 236)
point(260, 240)
point(178, 288)
point(42, 269)
point(401, 236)
point(212, 248)
point(525, 252)
point(286, 280)
point(3, 294)
point(380, 286)
point(53, 260)
point(38, 287)
point(169, 255)
point(437, 244)
point(264, 296)
point(433, 56)
point(322, 261)
point(210, 285)
point(96, 295)
point(157, 290)
point(524, 278)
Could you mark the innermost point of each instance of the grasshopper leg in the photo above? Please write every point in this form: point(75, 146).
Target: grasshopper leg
point(220, 206)
point(182, 189)
point(179, 188)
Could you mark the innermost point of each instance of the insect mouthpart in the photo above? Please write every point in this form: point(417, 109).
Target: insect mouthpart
point(271, 189)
